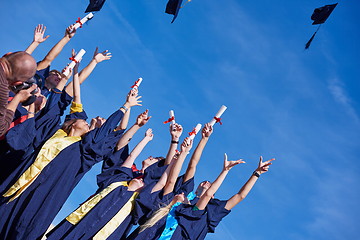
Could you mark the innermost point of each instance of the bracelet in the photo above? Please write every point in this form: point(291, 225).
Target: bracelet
point(256, 174)
point(31, 113)
point(125, 108)
point(172, 141)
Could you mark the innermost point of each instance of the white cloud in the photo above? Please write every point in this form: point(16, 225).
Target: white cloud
point(336, 88)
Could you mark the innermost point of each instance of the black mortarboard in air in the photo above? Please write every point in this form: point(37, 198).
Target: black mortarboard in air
point(95, 5)
point(319, 16)
point(173, 7)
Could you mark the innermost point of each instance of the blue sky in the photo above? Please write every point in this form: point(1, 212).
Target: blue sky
point(301, 107)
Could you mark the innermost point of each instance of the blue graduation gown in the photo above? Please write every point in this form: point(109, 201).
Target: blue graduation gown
point(24, 138)
point(29, 215)
point(112, 161)
point(151, 203)
point(196, 224)
point(101, 214)
point(40, 77)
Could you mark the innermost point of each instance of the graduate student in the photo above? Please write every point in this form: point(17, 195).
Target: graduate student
point(194, 221)
point(33, 194)
point(160, 196)
point(149, 171)
point(107, 215)
point(23, 138)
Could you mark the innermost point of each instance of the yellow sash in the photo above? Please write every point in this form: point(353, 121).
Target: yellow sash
point(79, 213)
point(58, 142)
point(115, 222)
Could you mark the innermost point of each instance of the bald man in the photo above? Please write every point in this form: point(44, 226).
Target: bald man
point(15, 68)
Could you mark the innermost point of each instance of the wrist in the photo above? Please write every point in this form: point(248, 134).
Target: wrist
point(174, 141)
point(125, 108)
point(127, 105)
point(256, 173)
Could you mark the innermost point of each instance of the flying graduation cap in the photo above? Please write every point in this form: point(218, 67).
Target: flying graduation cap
point(319, 16)
point(173, 7)
point(95, 5)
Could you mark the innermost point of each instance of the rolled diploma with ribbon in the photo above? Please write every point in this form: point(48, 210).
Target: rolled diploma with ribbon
point(137, 83)
point(218, 115)
point(72, 64)
point(84, 20)
point(195, 131)
point(172, 116)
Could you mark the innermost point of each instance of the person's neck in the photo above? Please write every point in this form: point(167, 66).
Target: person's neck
point(75, 134)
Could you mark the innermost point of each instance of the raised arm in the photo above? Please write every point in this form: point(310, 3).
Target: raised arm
point(162, 181)
point(125, 121)
point(137, 150)
point(195, 158)
point(175, 132)
point(76, 85)
point(141, 120)
point(262, 168)
point(175, 170)
point(205, 198)
point(38, 38)
point(55, 51)
point(98, 57)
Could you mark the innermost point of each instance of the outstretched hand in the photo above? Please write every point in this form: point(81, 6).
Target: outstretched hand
point(39, 34)
point(149, 134)
point(176, 131)
point(264, 166)
point(229, 164)
point(143, 118)
point(70, 31)
point(99, 57)
point(186, 145)
point(207, 130)
point(133, 98)
point(97, 122)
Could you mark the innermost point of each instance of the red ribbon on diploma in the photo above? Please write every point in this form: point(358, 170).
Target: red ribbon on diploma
point(79, 22)
point(73, 59)
point(193, 132)
point(169, 120)
point(218, 120)
point(135, 84)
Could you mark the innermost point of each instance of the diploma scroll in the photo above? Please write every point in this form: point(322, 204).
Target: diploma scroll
point(137, 83)
point(80, 22)
point(74, 60)
point(194, 131)
point(217, 117)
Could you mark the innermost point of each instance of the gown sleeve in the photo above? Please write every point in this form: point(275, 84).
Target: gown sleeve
point(111, 167)
point(184, 187)
point(95, 144)
point(48, 122)
point(216, 211)
point(21, 136)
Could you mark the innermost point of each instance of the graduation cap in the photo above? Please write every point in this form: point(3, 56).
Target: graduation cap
point(95, 5)
point(319, 16)
point(173, 7)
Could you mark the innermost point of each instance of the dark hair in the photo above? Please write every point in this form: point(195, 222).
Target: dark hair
point(66, 127)
point(160, 158)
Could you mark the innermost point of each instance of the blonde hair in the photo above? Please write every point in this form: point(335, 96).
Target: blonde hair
point(156, 216)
